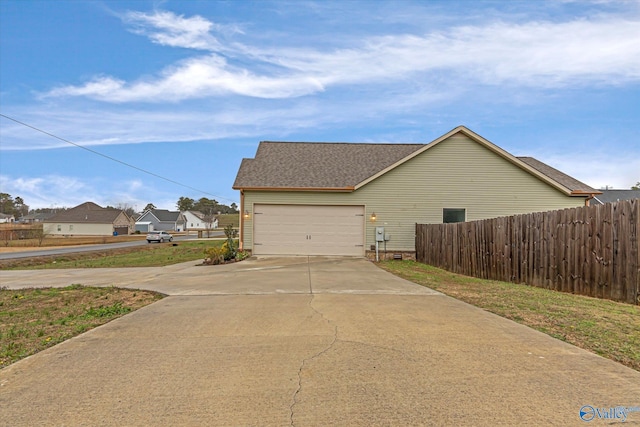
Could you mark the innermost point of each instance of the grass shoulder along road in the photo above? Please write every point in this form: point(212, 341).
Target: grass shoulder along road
point(149, 255)
point(607, 328)
point(32, 320)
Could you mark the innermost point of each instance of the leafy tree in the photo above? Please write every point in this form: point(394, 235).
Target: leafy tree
point(185, 204)
point(637, 186)
point(129, 210)
point(6, 203)
point(20, 209)
point(11, 206)
point(150, 206)
point(206, 206)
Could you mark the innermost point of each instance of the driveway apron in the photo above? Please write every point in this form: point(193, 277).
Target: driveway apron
point(305, 342)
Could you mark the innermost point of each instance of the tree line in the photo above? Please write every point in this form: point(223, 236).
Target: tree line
point(17, 207)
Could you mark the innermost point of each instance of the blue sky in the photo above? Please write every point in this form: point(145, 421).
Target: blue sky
point(185, 90)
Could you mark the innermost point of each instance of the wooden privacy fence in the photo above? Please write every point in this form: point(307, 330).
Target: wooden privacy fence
point(588, 251)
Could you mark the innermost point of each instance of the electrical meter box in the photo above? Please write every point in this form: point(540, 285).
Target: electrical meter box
point(379, 234)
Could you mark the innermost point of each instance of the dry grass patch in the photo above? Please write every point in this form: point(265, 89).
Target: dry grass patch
point(607, 328)
point(151, 255)
point(34, 319)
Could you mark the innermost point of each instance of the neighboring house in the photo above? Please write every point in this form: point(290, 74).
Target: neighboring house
point(160, 219)
point(610, 196)
point(37, 217)
point(89, 219)
point(329, 198)
point(6, 218)
point(196, 220)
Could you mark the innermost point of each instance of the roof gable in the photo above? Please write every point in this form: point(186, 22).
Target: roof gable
point(87, 212)
point(164, 215)
point(349, 166)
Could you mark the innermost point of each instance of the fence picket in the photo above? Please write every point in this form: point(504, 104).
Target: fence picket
point(590, 251)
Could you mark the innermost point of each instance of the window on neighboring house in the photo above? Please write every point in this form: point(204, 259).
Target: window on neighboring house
point(453, 215)
point(70, 227)
point(191, 225)
point(59, 227)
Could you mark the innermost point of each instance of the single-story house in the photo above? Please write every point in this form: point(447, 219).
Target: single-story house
point(611, 196)
point(160, 219)
point(6, 218)
point(89, 219)
point(36, 217)
point(196, 220)
point(299, 198)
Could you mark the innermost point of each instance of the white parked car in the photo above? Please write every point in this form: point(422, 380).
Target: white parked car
point(159, 236)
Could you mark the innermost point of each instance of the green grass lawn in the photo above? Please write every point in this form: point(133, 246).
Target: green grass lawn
point(32, 320)
point(607, 328)
point(151, 255)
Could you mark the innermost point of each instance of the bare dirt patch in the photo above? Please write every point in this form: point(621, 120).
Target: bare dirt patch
point(35, 319)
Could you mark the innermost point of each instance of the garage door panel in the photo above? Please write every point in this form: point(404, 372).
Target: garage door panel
point(308, 230)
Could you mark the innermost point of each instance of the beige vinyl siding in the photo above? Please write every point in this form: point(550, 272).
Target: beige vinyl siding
point(124, 221)
point(457, 173)
point(79, 229)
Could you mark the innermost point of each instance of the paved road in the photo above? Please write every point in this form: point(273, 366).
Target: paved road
point(303, 342)
point(84, 248)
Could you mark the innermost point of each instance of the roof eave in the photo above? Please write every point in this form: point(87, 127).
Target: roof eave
point(316, 189)
point(585, 193)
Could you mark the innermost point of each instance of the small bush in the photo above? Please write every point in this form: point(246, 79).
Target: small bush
point(214, 256)
point(241, 255)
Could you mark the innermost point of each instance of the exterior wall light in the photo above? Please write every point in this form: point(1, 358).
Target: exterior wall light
point(246, 214)
point(373, 217)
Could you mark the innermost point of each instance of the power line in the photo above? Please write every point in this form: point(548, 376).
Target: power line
point(113, 158)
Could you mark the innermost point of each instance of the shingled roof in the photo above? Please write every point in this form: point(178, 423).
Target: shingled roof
point(87, 212)
point(347, 166)
point(573, 184)
point(304, 165)
point(165, 215)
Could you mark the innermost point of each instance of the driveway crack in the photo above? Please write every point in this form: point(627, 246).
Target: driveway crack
point(310, 359)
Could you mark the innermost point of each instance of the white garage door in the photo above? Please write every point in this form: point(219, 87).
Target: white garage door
point(308, 230)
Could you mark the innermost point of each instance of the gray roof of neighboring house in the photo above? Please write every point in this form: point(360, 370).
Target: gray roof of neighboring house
point(304, 165)
point(37, 216)
point(610, 196)
point(317, 165)
point(87, 212)
point(164, 215)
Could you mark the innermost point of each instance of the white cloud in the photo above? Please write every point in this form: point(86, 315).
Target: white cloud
point(169, 29)
point(47, 191)
point(67, 191)
point(194, 78)
point(95, 127)
point(602, 51)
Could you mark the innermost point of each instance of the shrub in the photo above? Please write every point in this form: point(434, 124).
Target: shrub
point(214, 256)
point(230, 245)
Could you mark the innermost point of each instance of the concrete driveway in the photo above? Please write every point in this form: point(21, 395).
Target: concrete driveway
point(305, 342)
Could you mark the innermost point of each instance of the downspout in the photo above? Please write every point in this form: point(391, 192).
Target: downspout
point(241, 237)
